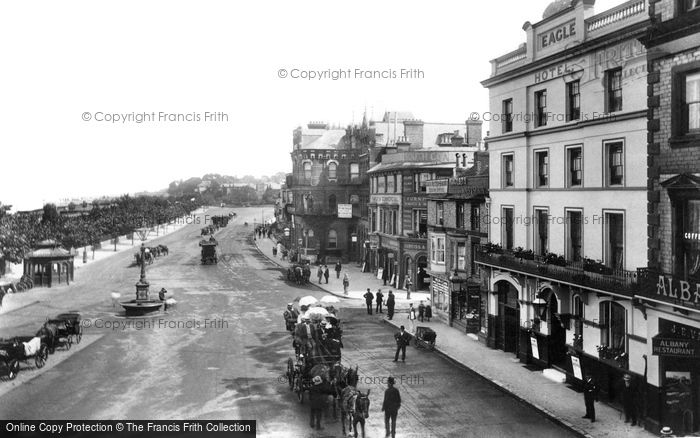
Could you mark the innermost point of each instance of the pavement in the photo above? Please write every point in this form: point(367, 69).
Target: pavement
point(557, 401)
point(359, 281)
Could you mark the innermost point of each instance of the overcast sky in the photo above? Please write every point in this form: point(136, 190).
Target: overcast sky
point(63, 62)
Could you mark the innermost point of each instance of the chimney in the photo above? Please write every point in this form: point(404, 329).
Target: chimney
point(402, 144)
point(457, 140)
point(413, 129)
point(464, 160)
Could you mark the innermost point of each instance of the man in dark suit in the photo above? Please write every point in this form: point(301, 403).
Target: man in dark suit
point(380, 300)
point(590, 394)
point(390, 407)
point(629, 399)
point(402, 339)
point(390, 303)
point(368, 300)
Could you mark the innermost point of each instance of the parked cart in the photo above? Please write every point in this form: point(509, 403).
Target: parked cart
point(22, 349)
point(425, 338)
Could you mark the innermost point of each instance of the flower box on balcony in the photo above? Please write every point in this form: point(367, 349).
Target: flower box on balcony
point(524, 254)
point(596, 266)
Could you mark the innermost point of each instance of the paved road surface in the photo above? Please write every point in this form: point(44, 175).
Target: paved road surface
point(221, 353)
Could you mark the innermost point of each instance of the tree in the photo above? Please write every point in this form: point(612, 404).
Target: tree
point(50, 216)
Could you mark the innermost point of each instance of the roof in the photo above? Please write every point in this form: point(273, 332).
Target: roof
point(48, 253)
point(322, 138)
point(399, 116)
point(410, 165)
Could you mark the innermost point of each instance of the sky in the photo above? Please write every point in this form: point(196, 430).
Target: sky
point(113, 97)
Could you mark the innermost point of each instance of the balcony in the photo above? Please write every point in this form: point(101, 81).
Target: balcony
point(555, 268)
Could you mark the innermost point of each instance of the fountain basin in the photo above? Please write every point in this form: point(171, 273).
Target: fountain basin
point(141, 307)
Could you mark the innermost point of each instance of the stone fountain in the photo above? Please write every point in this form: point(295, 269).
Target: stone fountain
point(143, 304)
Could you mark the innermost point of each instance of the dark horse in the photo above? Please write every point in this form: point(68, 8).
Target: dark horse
point(358, 410)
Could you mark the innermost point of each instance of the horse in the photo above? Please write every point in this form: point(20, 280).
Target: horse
point(360, 411)
point(163, 249)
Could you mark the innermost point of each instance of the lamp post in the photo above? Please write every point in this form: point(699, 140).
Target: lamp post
point(142, 285)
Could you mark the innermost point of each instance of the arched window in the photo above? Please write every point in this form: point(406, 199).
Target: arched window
point(332, 170)
point(307, 171)
point(332, 204)
point(613, 328)
point(332, 239)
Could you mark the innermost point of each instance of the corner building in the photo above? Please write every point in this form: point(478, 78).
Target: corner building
point(568, 193)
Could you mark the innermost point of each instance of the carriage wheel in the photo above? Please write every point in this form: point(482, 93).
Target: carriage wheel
point(40, 359)
point(13, 369)
point(290, 373)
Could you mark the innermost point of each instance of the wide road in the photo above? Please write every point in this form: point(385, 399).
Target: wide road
point(221, 353)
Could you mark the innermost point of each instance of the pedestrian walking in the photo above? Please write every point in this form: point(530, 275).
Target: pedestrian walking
point(385, 276)
point(412, 318)
point(590, 394)
point(318, 397)
point(346, 283)
point(274, 251)
point(338, 268)
point(428, 311)
point(421, 311)
point(368, 300)
point(629, 399)
point(402, 340)
point(325, 273)
point(390, 407)
point(380, 300)
point(390, 303)
point(409, 283)
point(319, 273)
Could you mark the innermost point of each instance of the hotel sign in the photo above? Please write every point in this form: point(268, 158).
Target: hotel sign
point(556, 35)
point(675, 291)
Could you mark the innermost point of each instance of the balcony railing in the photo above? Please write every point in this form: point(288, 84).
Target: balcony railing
point(615, 15)
point(577, 273)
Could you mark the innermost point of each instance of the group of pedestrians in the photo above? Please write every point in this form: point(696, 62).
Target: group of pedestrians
point(379, 297)
point(261, 232)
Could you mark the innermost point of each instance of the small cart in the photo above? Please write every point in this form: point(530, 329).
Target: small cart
point(425, 338)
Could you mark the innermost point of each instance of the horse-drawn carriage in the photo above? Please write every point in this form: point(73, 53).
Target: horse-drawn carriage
point(150, 254)
point(209, 254)
point(299, 273)
point(208, 230)
point(219, 221)
point(62, 331)
point(22, 349)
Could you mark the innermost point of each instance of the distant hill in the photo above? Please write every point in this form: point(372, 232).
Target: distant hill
point(215, 188)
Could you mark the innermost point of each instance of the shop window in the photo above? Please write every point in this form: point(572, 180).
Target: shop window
point(687, 258)
point(613, 327)
point(507, 121)
point(573, 101)
point(332, 239)
point(541, 108)
point(574, 166)
point(613, 90)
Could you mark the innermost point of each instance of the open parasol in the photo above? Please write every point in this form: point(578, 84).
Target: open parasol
point(307, 301)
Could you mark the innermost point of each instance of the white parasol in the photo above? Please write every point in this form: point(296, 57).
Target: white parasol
point(317, 311)
point(307, 301)
point(330, 299)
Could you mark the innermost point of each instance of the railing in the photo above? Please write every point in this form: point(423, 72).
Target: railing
point(513, 57)
point(613, 280)
point(617, 14)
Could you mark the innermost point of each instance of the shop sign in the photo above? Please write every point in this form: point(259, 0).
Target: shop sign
point(576, 366)
point(345, 211)
point(385, 200)
point(674, 347)
point(436, 186)
point(556, 35)
point(678, 291)
point(535, 349)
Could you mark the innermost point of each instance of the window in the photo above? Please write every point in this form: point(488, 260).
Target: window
point(541, 231)
point(307, 172)
point(461, 210)
point(439, 213)
point(613, 327)
point(574, 235)
point(574, 167)
point(332, 239)
point(615, 240)
point(461, 256)
point(691, 104)
point(418, 179)
point(687, 233)
point(542, 159)
point(507, 228)
point(332, 204)
point(420, 222)
point(507, 120)
point(615, 163)
point(354, 171)
point(381, 181)
point(507, 170)
point(437, 249)
point(475, 221)
point(541, 108)
point(388, 221)
point(332, 171)
point(613, 82)
point(573, 101)
point(391, 183)
point(577, 307)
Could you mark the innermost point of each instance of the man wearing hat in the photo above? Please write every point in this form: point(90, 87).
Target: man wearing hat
point(290, 317)
point(390, 407)
point(590, 394)
point(629, 395)
point(402, 339)
point(318, 397)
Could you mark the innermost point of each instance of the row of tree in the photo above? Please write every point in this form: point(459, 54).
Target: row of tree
point(19, 232)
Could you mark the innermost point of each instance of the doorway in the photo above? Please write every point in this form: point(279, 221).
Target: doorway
point(508, 326)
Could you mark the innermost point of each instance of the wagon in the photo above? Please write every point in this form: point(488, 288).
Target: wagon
point(72, 319)
point(425, 338)
point(13, 351)
point(209, 251)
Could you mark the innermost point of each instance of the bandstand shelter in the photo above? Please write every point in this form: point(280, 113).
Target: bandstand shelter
point(49, 264)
